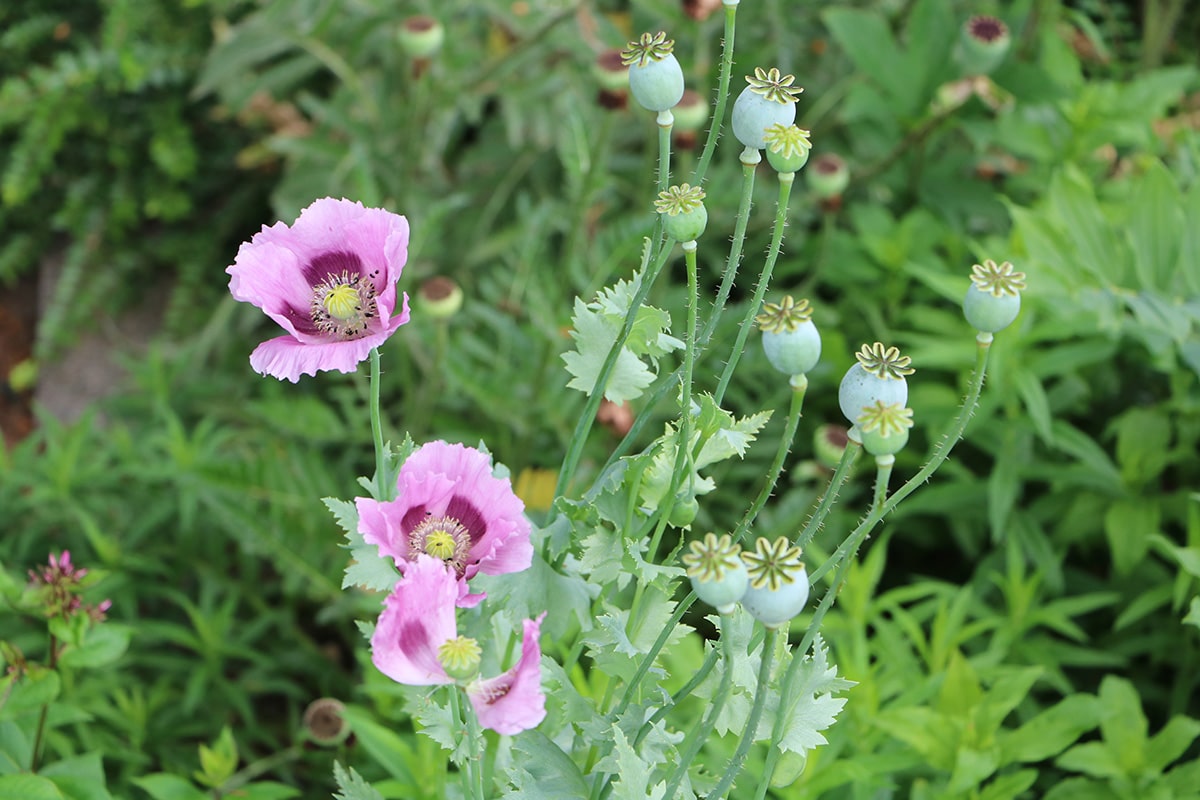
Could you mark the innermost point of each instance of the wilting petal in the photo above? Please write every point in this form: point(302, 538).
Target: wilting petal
point(514, 701)
point(418, 617)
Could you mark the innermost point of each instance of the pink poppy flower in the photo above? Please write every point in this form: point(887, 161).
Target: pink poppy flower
point(419, 618)
point(450, 506)
point(329, 280)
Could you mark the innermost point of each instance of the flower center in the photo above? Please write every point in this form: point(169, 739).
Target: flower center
point(442, 537)
point(342, 305)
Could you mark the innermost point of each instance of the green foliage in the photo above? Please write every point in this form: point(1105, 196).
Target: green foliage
point(1017, 630)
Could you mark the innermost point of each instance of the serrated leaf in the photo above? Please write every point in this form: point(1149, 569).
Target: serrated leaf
point(352, 786)
point(544, 772)
point(633, 773)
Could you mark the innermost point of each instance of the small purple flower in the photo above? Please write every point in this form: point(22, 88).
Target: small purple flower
point(451, 507)
point(329, 280)
point(418, 619)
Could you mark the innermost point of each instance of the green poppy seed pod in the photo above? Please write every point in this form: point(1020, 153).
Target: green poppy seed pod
point(788, 147)
point(829, 443)
point(460, 658)
point(828, 176)
point(610, 72)
point(655, 77)
point(439, 297)
point(879, 376)
point(883, 428)
point(716, 571)
point(790, 339)
point(788, 768)
point(691, 113)
point(770, 99)
point(778, 582)
point(682, 210)
point(982, 45)
point(684, 512)
point(421, 36)
point(993, 299)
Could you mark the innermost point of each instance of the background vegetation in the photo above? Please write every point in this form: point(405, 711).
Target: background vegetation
point(1025, 627)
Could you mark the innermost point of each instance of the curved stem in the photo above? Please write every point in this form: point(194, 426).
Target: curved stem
point(760, 700)
point(781, 209)
point(849, 455)
point(843, 557)
point(799, 385)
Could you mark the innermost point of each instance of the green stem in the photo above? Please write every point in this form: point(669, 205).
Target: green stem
point(781, 209)
point(760, 701)
point(799, 384)
point(35, 757)
point(718, 118)
point(588, 417)
point(476, 755)
point(849, 456)
point(844, 556)
point(697, 735)
point(665, 122)
point(883, 474)
point(735, 247)
point(382, 492)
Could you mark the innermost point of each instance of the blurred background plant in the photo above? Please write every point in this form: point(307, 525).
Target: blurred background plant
point(1033, 606)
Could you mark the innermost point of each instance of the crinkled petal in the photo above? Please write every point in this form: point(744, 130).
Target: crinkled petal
point(383, 524)
point(268, 276)
point(418, 617)
point(514, 701)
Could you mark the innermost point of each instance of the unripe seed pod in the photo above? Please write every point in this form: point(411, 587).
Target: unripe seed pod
point(683, 214)
point(787, 147)
point(883, 428)
point(655, 77)
point(770, 99)
point(878, 376)
point(421, 36)
point(778, 582)
point(828, 177)
point(993, 299)
point(790, 339)
point(716, 571)
point(982, 44)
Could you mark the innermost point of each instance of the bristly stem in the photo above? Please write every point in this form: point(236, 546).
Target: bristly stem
point(799, 384)
point(764, 280)
point(760, 700)
point(843, 557)
point(584, 426)
point(883, 474)
point(849, 456)
point(718, 118)
point(735, 247)
point(381, 490)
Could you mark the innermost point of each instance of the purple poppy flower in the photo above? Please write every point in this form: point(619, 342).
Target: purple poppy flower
point(450, 506)
point(418, 619)
point(329, 280)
